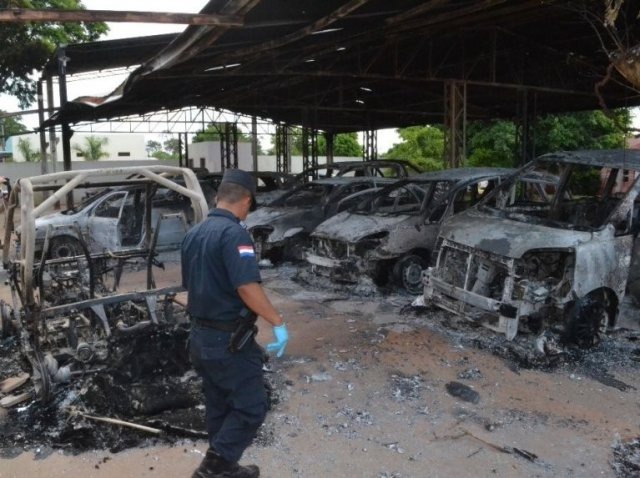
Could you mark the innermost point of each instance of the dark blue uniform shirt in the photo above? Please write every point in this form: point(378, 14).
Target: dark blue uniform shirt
point(218, 256)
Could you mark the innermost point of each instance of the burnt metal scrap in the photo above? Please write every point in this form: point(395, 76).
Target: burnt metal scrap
point(68, 308)
point(524, 261)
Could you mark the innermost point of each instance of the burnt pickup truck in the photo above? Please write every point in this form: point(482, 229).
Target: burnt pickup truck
point(558, 260)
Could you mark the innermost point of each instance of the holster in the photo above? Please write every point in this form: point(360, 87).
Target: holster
point(244, 332)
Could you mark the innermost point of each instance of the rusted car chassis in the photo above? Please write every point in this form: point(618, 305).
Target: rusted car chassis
point(66, 310)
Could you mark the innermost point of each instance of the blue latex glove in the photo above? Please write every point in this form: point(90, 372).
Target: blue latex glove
point(282, 337)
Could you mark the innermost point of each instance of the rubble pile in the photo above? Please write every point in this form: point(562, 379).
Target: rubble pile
point(147, 379)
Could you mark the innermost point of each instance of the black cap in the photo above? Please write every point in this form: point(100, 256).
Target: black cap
point(244, 179)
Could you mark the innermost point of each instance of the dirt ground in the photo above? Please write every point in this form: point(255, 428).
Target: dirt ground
point(363, 392)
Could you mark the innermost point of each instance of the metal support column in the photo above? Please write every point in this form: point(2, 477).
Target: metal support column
point(455, 123)
point(229, 146)
point(525, 127)
point(310, 150)
point(66, 130)
point(254, 142)
point(180, 149)
point(41, 131)
point(283, 151)
point(370, 146)
point(187, 163)
point(329, 137)
point(53, 140)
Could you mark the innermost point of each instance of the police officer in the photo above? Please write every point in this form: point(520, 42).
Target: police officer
point(220, 273)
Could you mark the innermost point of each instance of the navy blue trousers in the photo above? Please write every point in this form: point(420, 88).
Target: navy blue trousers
point(233, 386)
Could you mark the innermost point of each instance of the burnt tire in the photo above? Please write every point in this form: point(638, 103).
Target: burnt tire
point(587, 321)
point(407, 273)
point(63, 247)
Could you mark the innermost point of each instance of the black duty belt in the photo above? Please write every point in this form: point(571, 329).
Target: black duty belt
point(223, 325)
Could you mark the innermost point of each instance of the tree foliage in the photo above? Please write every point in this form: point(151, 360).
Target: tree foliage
point(92, 148)
point(344, 144)
point(29, 153)
point(27, 46)
point(214, 131)
point(493, 143)
point(10, 126)
point(421, 145)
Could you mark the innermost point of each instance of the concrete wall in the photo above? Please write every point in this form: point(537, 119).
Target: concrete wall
point(207, 154)
point(119, 147)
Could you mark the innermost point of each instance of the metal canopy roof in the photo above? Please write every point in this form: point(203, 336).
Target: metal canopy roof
point(368, 64)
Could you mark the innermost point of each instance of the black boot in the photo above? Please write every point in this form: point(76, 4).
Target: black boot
point(214, 466)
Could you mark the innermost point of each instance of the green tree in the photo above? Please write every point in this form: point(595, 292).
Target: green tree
point(172, 146)
point(29, 153)
point(153, 147)
point(213, 132)
point(344, 144)
point(10, 126)
point(92, 149)
point(491, 144)
point(423, 146)
point(582, 130)
point(27, 46)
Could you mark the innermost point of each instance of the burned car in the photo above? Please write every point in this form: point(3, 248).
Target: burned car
point(381, 168)
point(545, 262)
point(270, 185)
point(111, 219)
point(281, 229)
point(392, 236)
point(67, 311)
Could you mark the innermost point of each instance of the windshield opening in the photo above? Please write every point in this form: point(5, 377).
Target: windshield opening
point(568, 195)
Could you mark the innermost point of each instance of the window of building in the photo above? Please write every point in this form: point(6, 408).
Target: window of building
point(124, 153)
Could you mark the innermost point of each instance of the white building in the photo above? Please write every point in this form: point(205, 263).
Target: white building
point(117, 146)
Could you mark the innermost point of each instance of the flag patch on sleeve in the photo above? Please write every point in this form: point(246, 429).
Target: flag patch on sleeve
point(246, 251)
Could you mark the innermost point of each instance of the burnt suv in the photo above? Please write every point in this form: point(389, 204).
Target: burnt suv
point(543, 262)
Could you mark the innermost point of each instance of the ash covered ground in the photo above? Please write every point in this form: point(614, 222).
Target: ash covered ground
point(148, 380)
point(365, 389)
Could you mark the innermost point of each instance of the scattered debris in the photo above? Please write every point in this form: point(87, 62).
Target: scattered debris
point(470, 374)
point(115, 421)
point(406, 388)
point(10, 384)
point(13, 400)
point(463, 392)
point(626, 457)
point(527, 455)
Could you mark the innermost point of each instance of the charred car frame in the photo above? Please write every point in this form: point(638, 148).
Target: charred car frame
point(561, 261)
point(65, 310)
point(391, 237)
point(281, 229)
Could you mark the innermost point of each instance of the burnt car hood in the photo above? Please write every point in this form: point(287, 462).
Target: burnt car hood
point(507, 237)
point(282, 220)
point(351, 227)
